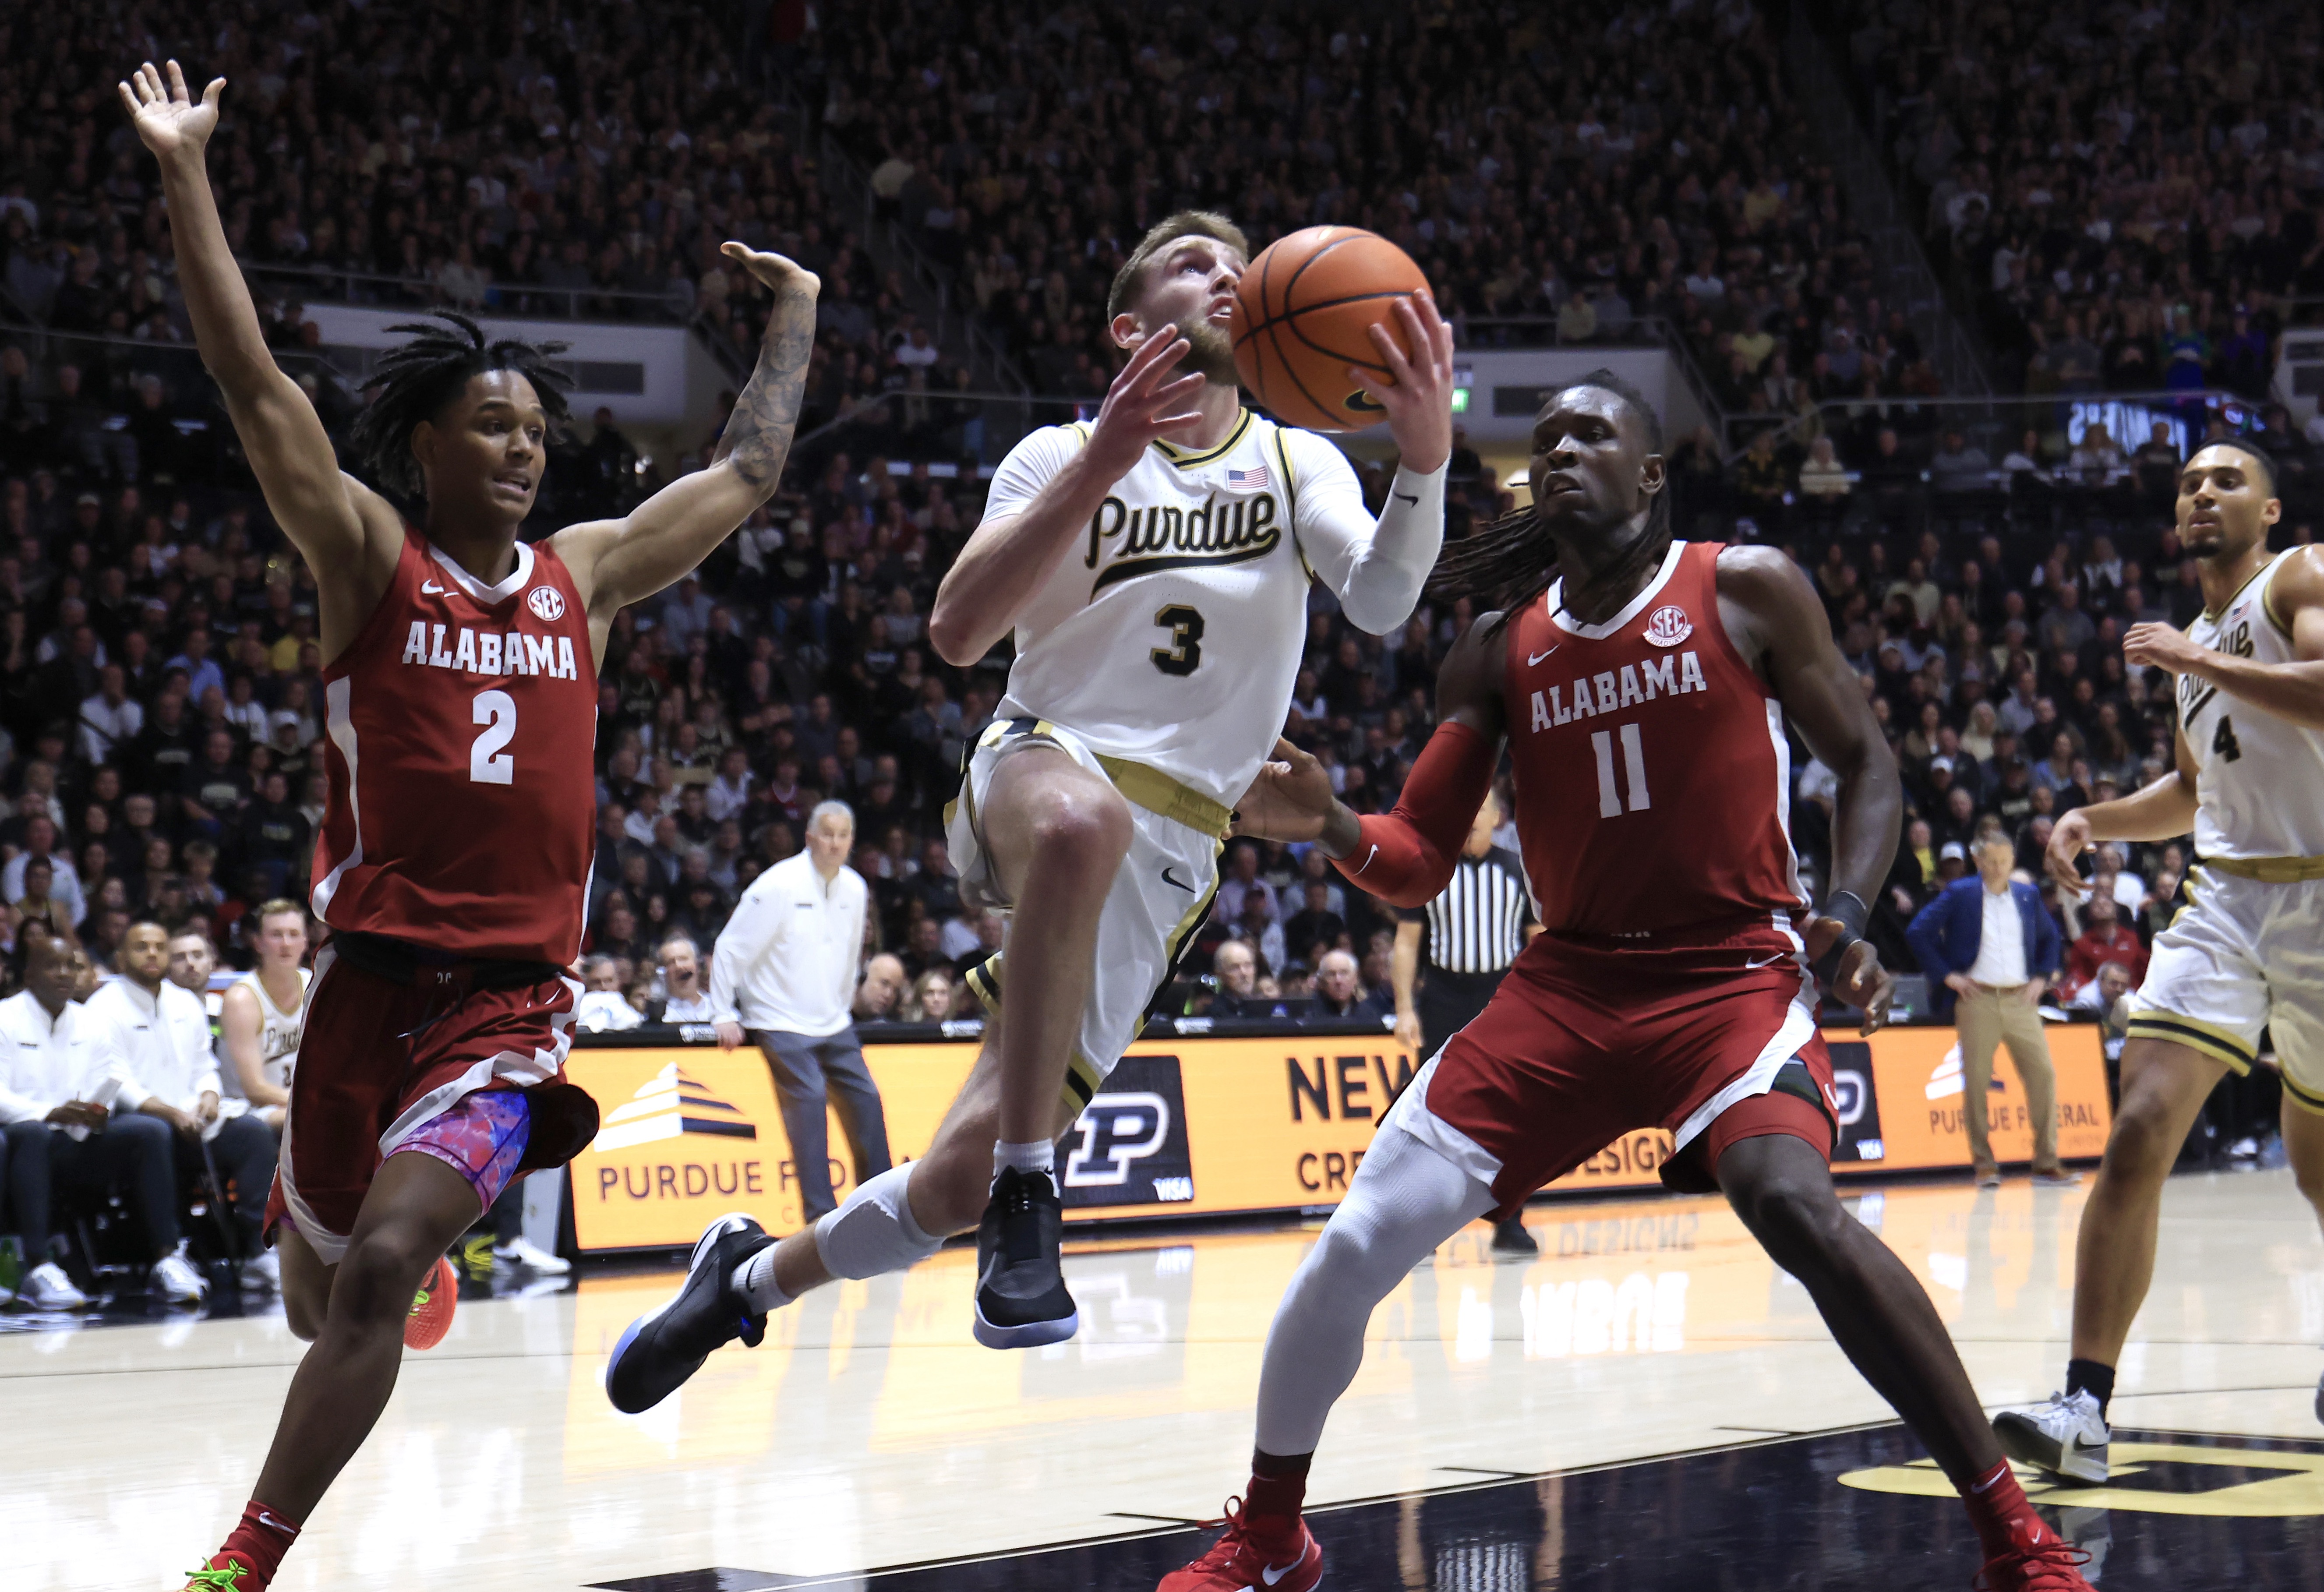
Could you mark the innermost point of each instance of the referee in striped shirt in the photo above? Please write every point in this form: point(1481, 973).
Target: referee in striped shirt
point(1450, 954)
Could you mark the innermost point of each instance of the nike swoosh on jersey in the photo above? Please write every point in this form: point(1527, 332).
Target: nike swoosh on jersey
point(1178, 883)
point(1538, 657)
point(429, 588)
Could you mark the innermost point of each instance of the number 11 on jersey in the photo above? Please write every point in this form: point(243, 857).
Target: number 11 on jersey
point(1634, 764)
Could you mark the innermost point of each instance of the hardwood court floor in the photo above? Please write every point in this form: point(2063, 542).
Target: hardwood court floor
point(1492, 1429)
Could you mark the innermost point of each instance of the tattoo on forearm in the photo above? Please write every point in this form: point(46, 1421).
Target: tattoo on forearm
point(758, 437)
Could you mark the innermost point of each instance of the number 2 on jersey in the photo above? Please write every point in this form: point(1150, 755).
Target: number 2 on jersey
point(488, 764)
point(1634, 764)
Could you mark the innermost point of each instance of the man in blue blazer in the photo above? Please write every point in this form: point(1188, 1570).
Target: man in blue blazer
point(1991, 942)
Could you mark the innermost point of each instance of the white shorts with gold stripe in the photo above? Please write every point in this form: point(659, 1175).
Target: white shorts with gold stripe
point(1158, 895)
point(2243, 955)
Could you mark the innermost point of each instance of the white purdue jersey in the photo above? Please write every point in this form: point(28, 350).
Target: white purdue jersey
point(2259, 781)
point(279, 1033)
point(1171, 633)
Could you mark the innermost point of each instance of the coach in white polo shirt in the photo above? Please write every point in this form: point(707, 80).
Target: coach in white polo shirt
point(784, 972)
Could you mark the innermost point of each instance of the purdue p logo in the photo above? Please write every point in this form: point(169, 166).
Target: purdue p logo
point(1129, 1145)
point(1116, 1130)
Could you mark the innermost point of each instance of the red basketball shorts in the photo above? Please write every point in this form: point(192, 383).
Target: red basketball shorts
point(422, 1066)
point(1584, 1043)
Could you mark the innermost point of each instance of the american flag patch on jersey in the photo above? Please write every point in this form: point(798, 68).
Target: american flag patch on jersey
point(1252, 477)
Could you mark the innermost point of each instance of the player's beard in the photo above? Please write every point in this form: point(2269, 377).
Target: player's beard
point(1210, 351)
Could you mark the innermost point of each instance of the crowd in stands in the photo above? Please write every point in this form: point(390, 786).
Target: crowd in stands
point(159, 680)
point(587, 159)
point(1657, 171)
point(2120, 198)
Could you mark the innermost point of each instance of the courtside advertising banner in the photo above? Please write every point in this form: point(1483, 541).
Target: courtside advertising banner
point(1206, 1125)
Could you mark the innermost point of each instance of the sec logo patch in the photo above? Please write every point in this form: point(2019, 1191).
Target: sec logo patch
point(548, 603)
point(1668, 626)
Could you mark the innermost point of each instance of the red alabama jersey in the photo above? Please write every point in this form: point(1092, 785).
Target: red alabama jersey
point(462, 724)
point(1653, 776)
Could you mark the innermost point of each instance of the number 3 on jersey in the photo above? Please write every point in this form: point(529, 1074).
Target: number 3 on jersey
point(1634, 764)
point(488, 763)
point(1184, 656)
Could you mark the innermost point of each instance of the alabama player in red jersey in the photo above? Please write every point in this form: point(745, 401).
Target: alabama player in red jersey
point(460, 681)
point(1644, 698)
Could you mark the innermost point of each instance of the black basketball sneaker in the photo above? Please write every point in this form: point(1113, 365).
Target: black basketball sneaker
point(1021, 1301)
point(660, 1350)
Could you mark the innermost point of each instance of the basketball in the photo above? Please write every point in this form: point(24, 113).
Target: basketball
point(1300, 315)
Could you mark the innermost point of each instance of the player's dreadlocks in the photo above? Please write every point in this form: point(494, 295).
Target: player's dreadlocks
point(416, 380)
point(1512, 561)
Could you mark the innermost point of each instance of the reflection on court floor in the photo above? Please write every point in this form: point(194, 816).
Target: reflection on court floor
point(869, 1433)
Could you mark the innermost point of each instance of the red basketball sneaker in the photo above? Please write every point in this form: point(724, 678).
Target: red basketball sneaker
point(2053, 1565)
point(1239, 1561)
point(432, 1306)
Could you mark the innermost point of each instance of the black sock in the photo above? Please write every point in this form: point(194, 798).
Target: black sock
point(1280, 1466)
point(2091, 1376)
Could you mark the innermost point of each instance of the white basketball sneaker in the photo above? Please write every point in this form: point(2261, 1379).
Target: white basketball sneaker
point(2067, 1436)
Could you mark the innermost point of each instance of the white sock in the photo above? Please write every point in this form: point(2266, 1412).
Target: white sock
point(1038, 1156)
point(755, 1280)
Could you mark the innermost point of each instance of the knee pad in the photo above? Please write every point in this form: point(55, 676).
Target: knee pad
point(873, 1233)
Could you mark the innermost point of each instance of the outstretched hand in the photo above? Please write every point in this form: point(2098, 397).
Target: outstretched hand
point(1290, 800)
point(168, 118)
point(777, 273)
point(1143, 406)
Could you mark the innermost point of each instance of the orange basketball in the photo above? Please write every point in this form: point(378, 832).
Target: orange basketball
point(1300, 318)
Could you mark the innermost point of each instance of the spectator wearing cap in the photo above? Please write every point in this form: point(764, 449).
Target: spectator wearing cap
point(1991, 942)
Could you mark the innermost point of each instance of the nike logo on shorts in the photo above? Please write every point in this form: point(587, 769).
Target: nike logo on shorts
point(1752, 967)
point(1179, 883)
point(1538, 657)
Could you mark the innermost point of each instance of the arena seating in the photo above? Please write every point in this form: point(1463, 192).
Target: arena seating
point(599, 161)
point(2122, 199)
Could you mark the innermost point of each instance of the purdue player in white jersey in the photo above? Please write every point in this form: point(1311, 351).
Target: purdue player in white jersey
point(263, 1011)
point(2246, 950)
point(1154, 567)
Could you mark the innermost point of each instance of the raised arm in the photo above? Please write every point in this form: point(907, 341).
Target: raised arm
point(617, 562)
point(1763, 594)
point(349, 536)
point(1012, 554)
point(1377, 567)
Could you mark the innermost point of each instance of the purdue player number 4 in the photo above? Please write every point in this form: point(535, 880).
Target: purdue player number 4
point(2246, 951)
